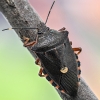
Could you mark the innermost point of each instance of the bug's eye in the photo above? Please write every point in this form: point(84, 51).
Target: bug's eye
point(40, 33)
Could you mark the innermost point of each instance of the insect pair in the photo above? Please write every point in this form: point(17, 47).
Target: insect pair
point(54, 56)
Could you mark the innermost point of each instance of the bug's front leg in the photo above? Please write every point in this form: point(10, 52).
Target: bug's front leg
point(77, 49)
point(27, 43)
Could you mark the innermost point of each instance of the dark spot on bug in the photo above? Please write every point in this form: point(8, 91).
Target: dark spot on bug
point(48, 78)
point(78, 63)
point(79, 80)
point(44, 72)
point(79, 72)
point(54, 84)
point(40, 33)
point(76, 56)
point(48, 28)
point(26, 22)
point(65, 44)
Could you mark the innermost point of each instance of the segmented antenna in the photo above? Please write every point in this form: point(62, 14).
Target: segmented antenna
point(19, 28)
point(49, 12)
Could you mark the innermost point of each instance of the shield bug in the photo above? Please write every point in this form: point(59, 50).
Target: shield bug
point(53, 48)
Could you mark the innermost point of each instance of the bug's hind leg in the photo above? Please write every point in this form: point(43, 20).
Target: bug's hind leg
point(62, 29)
point(27, 43)
point(37, 62)
point(41, 74)
point(77, 49)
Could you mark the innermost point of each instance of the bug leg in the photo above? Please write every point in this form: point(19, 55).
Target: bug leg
point(41, 73)
point(37, 62)
point(77, 49)
point(62, 29)
point(27, 43)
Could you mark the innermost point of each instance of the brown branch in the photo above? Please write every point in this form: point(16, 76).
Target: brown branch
point(20, 14)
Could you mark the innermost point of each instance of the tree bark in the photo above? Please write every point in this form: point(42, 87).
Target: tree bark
point(19, 13)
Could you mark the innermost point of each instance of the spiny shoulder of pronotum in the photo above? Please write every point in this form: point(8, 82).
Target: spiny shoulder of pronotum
point(49, 39)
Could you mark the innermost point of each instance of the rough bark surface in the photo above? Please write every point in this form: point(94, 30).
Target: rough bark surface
point(19, 13)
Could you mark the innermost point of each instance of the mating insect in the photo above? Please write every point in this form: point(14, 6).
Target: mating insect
point(53, 56)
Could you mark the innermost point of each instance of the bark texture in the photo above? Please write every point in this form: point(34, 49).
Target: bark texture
point(19, 13)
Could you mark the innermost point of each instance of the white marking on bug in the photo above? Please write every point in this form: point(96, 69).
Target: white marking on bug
point(64, 70)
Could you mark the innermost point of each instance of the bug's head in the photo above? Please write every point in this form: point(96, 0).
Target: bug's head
point(42, 29)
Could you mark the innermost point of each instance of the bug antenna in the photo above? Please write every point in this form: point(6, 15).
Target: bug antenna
point(19, 28)
point(49, 12)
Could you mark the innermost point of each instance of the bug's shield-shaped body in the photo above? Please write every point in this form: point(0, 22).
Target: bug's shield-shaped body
point(53, 49)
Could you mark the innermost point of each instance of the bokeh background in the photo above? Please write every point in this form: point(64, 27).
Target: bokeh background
point(19, 78)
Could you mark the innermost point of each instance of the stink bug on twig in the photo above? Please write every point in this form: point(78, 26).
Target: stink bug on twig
point(52, 49)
